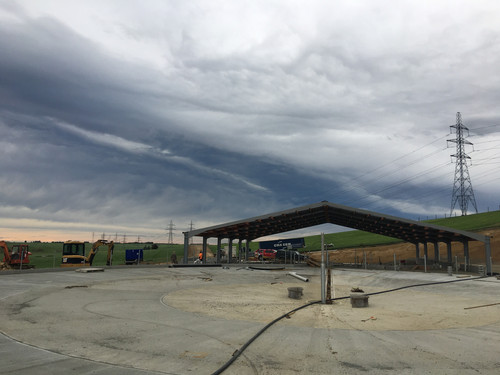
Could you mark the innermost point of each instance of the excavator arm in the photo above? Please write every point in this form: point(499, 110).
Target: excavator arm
point(95, 248)
point(109, 259)
point(6, 254)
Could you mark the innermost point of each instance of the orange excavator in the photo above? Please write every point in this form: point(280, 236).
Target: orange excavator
point(74, 253)
point(18, 257)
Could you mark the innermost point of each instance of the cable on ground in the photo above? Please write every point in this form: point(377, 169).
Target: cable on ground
point(240, 351)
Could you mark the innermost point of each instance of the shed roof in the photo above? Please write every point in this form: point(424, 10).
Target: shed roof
point(327, 212)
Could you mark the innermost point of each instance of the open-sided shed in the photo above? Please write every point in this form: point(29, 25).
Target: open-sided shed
point(325, 212)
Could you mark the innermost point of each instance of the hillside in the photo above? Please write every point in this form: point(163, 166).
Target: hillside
point(353, 246)
point(360, 239)
point(404, 250)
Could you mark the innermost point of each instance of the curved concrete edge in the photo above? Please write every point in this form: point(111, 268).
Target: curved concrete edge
point(19, 358)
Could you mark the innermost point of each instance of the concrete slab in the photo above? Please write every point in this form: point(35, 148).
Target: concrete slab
point(191, 320)
point(22, 359)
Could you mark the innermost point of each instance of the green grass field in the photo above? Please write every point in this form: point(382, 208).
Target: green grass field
point(359, 239)
point(48, 255)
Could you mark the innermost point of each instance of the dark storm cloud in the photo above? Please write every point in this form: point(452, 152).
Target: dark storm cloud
point(109, 121)
point(50, 70)
point(71, 80)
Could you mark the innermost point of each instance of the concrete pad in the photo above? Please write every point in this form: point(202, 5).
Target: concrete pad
point(191, 320)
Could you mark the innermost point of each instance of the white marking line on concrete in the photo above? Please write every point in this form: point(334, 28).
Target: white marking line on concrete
point(32, 346)
point(12, 295)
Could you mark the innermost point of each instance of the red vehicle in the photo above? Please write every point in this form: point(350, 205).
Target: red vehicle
point(18, 257)
point(264, 254)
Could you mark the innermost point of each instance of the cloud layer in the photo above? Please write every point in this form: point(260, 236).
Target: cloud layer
point(119, 118)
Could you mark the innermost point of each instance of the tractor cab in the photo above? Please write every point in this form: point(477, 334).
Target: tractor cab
point(73, 254)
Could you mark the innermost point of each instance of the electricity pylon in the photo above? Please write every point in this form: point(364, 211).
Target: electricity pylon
point(170, 228)
point(462, 186)
point(191, 227)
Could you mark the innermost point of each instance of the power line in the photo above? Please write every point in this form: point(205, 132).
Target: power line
point(439, 191)
point(401, 182)
point(491, 140)
point(485, 127)
point(371, 177)
point(383, 175)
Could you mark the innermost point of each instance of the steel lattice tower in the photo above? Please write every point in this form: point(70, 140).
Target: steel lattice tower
point(191, 227)
point(171, 228)
point(462, 186)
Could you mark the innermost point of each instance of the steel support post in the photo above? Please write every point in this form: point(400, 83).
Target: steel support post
point(204, 250)
point(466, 253)
point(436, 252)
point(425, 251)
point(247, 247)
point(448, 253)
point(323, 275)
point(186, 247)
point(417, 253)
point(487, 253)
point(219, 242)
point(239, 250)
point(230, 251)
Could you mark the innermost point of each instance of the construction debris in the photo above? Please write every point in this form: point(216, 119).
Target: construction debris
point(89, 269)
point(357, 290)
point(297, 276)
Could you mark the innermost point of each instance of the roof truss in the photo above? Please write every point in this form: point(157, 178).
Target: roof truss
point(326, 212)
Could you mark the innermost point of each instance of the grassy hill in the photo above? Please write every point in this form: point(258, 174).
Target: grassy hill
point(359, 239)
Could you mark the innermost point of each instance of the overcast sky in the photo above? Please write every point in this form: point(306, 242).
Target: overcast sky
point(118, 117)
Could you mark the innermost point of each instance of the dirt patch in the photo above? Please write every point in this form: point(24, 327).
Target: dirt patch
point(404, 250)
point(404, 310)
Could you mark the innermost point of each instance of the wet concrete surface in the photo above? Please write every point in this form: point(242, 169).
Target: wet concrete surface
point(129, 320)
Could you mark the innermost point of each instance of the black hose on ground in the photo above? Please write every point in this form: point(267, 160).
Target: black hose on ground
point(237, 353)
